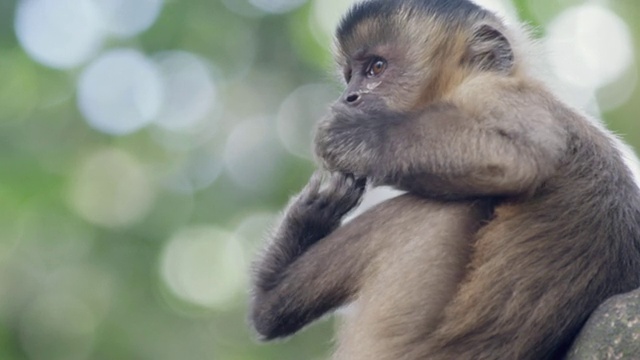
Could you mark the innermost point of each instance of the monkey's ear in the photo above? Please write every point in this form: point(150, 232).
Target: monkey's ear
point(490, 50)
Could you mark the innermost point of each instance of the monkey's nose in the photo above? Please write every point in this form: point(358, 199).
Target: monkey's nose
point(353, 99)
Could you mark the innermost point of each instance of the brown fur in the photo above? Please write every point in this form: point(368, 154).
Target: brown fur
point(456, 121)
point(437, 238)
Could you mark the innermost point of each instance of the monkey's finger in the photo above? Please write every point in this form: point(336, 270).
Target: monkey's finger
point(316, 181)
point(353, 182)
point(340, 184)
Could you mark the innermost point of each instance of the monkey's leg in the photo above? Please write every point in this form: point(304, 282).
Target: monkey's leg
point(422, 248)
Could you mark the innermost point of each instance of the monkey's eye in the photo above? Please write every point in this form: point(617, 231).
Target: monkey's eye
point(377, 67)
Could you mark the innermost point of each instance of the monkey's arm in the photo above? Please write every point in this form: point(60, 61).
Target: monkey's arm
point(299, 278)
point(448, 150)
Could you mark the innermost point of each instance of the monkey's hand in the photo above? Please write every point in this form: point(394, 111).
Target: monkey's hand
point(311, 216)
point(319, 208)
point(353, 141)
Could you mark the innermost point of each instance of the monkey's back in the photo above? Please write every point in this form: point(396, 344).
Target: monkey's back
point(552, 258)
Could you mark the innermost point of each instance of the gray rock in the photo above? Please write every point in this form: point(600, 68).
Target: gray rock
point(612, 332)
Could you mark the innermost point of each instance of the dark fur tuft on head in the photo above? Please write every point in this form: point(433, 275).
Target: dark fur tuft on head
point(456, 11)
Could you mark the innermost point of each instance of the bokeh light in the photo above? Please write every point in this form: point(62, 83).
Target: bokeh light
point(300, 112)
point(197, 170)
point(120, 92)
point(242, 8)
point(58, 33)
point(112, 189)
point(503, 8)
point(326, 17)
point(126, 18)
point(204, 266)
point(251, 155)
point(189, 90)
point(589, 46)
point(254, 228)
point(277, 6)
point(618, 92)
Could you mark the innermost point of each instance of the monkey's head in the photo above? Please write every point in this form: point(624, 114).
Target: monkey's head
point(401, 55)
point(398, 57)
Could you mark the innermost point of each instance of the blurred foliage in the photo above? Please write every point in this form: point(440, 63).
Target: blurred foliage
point(92, 225)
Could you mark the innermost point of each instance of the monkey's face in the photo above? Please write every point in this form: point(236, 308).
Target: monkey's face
point(391, 68)
point(396, 62)
point(374, 80)
point(396, 56)
point(381, 88)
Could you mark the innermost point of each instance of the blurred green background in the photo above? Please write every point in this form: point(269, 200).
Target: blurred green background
point(147, 145)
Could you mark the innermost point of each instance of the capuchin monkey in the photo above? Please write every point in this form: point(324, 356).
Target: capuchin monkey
point(520, 216)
